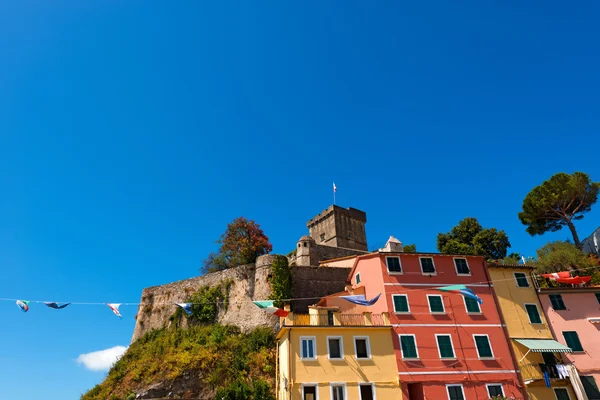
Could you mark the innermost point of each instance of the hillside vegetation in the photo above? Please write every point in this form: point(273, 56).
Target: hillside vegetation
point(210, 361)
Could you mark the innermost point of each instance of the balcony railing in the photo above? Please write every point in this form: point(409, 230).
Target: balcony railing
point(337, 319)
point(536, 371)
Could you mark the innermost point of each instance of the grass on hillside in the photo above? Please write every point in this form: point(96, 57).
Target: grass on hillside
point(234, 365)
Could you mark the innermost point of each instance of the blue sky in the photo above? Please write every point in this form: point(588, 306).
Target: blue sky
point(131, 132)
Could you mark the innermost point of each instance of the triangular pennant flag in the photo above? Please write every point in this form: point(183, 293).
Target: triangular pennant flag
point(23, 305)
point(270, 308)
point(462, 289)
point(115, 308)
point(56, 306)
point(451, 288)
point(187, 307)
point(361, 300)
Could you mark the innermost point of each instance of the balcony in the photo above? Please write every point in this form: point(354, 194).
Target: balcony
point(535, 371)
point(336, 319)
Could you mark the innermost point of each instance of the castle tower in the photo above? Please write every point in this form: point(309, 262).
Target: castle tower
point(306, 252)
point(340, 227)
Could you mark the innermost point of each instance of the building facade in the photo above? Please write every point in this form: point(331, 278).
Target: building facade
point(327, 355)
point(446, 346)
point(533, 344)
point(574, 316)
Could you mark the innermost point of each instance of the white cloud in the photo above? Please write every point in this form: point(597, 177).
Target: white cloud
point(101, 360)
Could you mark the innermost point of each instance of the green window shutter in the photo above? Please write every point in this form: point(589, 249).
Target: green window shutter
point(534, 314)
point(521, 279)
point(483, 346)
point(598, 297)
point(472, 305)
point(436, 304)
point(400, 304)
point(357, 279)
point(409, 348)
point(591, 389)
point(562, 394)
point(557, 302)
point(572, 340)
point(455, 393)
point(495, 390)
point(427, 265)
point(445, 346)
point(461, 266)
point(393, 264)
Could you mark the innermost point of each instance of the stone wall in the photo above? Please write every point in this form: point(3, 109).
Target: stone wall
point(249, 282)
point(314, 283)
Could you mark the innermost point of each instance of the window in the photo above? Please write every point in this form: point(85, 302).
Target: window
point(533, 313)
point(561, 394)
point(557, 302)
point(495, 389)
point(367, 391)
point(361, 347)
point(408, 346)
point(427, 266)
point(309, 392)
point(436, 304)
point(308, 348)
point(591, 389)
point(334, 347)
point(455, 392)
point(338, 391)
point(484, 350)
point(462, 268)
point(322, 237)
point(521, 279)
point(572, 340)
point(357, 278)
point(401, 303)
point(597, 297)
point(471, 305)
point(393, 265)
point(445, 347)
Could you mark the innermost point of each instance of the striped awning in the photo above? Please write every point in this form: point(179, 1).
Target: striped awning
point(544, 346)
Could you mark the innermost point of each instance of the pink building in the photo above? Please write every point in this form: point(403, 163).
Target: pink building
point(447, 347)
point(574, 316)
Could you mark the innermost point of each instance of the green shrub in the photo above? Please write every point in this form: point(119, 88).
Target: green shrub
point(229, 361)
point(281, 280)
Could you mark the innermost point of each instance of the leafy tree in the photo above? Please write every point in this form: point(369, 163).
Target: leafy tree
point(557, 202)
point(410, 248)
point(241, 243)
point(561, 256)
point(512, 258)
point(469, 237)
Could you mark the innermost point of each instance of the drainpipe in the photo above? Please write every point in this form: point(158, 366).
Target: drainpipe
point(505, 330)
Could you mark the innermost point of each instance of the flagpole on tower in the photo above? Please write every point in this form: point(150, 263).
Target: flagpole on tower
point(334, 190)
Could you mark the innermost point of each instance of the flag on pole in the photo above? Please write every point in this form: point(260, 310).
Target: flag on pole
point(270, 308)
point(334, 188)
point(523, 259)
point(462, 289)
point(23, 305)
point(361, 300)
point(187, 307)
point(55, 305)
point(115, 308)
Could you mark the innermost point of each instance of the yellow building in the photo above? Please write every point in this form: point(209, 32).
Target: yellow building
point(328, 355)
point(534, 346)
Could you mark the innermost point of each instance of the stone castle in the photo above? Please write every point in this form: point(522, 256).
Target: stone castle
point(335, 233)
